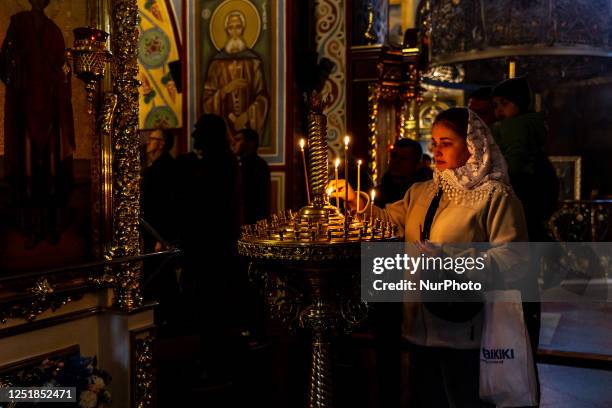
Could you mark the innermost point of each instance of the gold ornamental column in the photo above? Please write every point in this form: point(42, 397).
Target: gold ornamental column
point(125, 149)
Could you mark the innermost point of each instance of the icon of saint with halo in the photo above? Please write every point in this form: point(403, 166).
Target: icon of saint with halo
point(235, 87)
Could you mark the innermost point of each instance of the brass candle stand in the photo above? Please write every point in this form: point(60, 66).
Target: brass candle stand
point(307, 262)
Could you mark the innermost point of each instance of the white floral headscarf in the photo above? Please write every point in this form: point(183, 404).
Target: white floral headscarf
point(484, 171)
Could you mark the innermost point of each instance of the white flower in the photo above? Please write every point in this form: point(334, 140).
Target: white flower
point(88, 399)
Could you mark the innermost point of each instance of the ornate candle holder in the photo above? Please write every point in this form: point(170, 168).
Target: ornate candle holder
point(307, 263)
point(90, 57)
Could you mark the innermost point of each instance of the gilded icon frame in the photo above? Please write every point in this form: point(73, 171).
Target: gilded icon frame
point(568, 169)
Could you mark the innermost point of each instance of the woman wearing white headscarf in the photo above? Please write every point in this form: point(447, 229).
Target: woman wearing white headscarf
point(469, 200)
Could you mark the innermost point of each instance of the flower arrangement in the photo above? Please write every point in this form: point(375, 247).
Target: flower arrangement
point(83, 373)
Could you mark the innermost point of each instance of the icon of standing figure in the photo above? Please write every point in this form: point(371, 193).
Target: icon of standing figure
point(38, 125)
point(235, 87)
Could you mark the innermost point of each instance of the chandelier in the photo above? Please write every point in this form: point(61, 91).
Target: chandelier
point(550, 40)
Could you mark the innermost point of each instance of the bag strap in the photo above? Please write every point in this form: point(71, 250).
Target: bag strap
point(431, 212)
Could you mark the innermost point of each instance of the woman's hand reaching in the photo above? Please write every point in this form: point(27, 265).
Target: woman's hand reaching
point(342, 184)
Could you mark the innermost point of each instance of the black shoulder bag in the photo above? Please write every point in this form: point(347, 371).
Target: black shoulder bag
point(455, 312)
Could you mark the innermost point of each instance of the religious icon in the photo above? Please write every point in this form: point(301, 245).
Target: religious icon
point(235, 87)
point(38, 121)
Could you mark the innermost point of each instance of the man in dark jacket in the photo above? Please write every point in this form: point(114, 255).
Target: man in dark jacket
point(158, 193)
point(159, 210)
point(256, 206)
point(480, 102)
point(405, 168)
point(255, 177)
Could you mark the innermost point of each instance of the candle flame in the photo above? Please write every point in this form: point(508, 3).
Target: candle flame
point(302, 143)
point(373, 194)
point(347, 139)
point(359, 162)
point(337, 164)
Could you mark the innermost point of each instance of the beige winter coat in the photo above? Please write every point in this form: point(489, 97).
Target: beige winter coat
point(499, 219)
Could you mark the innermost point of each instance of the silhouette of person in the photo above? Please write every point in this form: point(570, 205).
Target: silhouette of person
point(481, 102)
point(208, 186)
point(255, 177)
point(158, 181)
point(405, 168)
point(159, 209)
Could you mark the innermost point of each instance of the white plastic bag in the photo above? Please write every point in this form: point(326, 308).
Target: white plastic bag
point(507, 371)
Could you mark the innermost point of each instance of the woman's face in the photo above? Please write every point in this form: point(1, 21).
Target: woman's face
point(450, 149)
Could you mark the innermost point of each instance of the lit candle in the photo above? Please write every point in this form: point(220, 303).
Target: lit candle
point(358, 183)
point(336, 164)
point(512, 69)
point(302, 144)
point(373, 194)
point(346, 146)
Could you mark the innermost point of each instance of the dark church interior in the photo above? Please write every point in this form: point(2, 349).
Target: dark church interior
point(236, 203)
